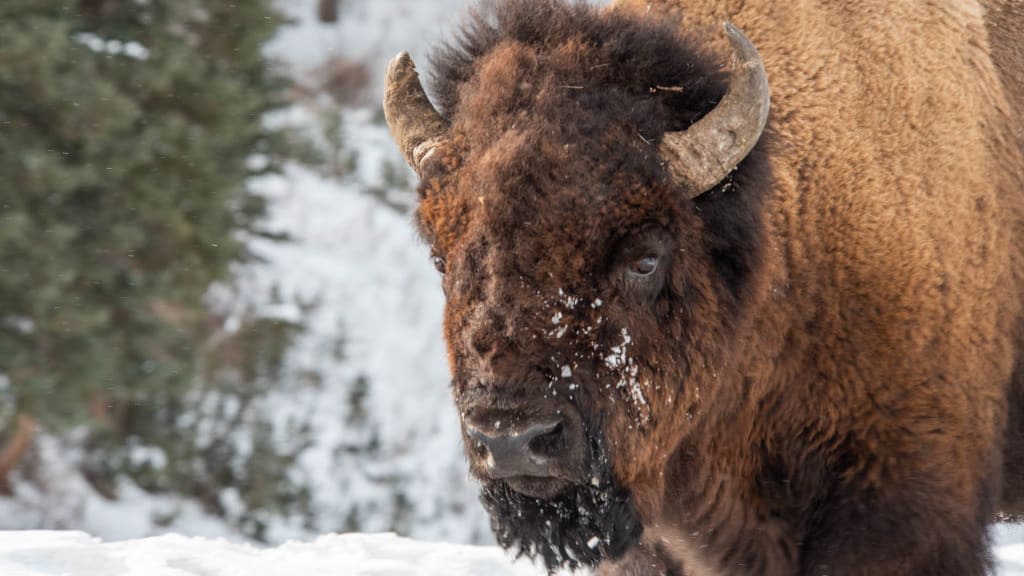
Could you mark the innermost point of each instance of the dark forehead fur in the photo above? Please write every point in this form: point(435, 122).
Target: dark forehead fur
point(604, 60)
point(584, 49)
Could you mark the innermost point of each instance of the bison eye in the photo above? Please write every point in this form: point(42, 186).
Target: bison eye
point(642, 263)
point(439, 263)
point(644, 266)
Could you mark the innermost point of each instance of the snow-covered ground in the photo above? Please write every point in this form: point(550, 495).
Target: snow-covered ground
point(78, 554)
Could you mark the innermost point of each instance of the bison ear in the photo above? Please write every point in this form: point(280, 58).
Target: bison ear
point(700, 157)
point(415, 124)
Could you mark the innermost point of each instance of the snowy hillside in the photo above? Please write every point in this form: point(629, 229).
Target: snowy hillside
point(369, 31)
point(366, 381)
point(368, 375)
point(77, 554)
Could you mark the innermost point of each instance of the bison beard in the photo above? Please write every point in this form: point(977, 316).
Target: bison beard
point(582, 526)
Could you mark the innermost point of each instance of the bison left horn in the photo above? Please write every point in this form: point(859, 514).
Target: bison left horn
point(703, 155)
point(414, 123)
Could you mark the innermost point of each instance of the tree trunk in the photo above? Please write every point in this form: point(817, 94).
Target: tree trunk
point(328, 10)
point(93, 8)
point(14, 449)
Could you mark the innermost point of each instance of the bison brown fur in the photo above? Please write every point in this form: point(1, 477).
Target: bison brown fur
point(809, 368)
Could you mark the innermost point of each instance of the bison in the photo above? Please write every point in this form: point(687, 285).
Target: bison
point(740, 300)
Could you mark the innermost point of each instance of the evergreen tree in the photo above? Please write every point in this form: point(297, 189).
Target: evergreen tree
point(128, 131)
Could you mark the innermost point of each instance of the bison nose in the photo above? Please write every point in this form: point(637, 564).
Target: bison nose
point(531, 451)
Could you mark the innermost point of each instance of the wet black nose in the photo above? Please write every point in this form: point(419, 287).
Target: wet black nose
point(533, 450)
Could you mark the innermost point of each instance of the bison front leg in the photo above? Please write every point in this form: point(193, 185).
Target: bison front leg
point(917, 530)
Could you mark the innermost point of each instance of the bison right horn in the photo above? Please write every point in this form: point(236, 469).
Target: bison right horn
point(702, 156)
point(414, 123)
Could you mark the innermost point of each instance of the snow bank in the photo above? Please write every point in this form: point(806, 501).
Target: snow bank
point(63, 499)
point(44, 553)
point(78, 554)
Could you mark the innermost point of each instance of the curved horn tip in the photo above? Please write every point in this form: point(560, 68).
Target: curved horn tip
point(402, 62)
point(742, 46)
point(415, 124)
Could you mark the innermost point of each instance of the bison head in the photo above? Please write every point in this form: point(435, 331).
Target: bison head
point(597, 244)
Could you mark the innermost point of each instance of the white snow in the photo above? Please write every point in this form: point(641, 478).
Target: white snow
point(78, 554)
point(63, 500)
point(112, 47)
point(43, 553)
point(375, 313)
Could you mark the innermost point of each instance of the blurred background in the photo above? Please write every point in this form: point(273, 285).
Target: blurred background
point(215, 316)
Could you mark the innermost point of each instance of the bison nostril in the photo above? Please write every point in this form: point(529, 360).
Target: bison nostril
point(480, 449)
point(549, 444)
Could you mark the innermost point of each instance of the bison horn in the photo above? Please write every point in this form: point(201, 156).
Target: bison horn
point(703, 155)
point(414, 123)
